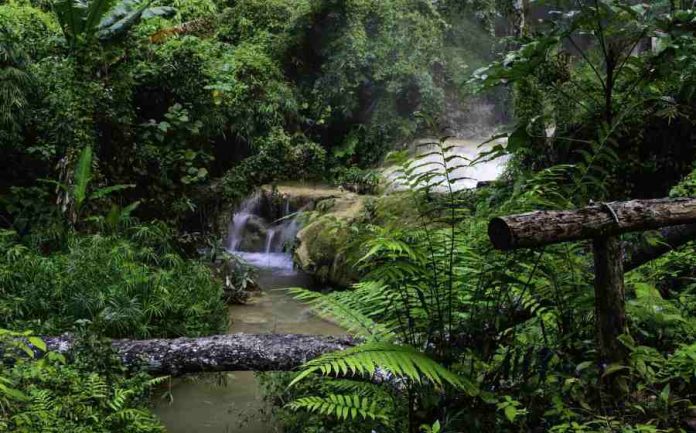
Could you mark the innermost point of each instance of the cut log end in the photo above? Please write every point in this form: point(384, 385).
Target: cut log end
point(500, 234)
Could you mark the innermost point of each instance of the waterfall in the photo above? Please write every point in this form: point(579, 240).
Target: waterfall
point(240, 219)
point(261, 232)
point(269, 240)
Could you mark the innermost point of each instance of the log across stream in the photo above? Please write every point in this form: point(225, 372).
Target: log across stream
point(231, 402)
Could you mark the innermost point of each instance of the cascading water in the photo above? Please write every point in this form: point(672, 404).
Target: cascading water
point(239, 221)
point(261, 233)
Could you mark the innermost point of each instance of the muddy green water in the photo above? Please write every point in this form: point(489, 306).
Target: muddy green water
point(232, 403)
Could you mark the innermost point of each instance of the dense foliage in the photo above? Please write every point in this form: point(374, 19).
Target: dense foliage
point(129, 129)
point(122, 288)
point(593, 95)
point(201, 103)
point(87, 394)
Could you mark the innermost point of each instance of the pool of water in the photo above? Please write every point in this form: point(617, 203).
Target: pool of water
point(231, 402)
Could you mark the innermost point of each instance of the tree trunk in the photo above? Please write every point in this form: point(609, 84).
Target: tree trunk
point(550, 227)
point(233, 352)
point(610, 312)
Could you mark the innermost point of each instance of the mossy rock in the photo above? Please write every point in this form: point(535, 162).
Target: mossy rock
point(320, 248)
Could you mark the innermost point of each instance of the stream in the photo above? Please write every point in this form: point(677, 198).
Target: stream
point(260, 232)
point(232, 402)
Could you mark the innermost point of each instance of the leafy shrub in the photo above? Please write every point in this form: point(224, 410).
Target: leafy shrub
point(258, 19)
point(362, 181)
point(380, 408)
point(124, 288)
point(36, 30)
point(88, 393)
point(518, 327)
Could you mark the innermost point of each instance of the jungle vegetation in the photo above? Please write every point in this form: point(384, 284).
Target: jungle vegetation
point(129, 130)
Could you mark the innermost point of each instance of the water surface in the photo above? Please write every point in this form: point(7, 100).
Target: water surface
point(231, 402)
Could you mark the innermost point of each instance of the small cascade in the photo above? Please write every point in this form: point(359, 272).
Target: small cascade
point(270, 234)
point(261, 232)
point(240, 219)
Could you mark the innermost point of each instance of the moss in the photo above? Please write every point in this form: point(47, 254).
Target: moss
point(322, 242)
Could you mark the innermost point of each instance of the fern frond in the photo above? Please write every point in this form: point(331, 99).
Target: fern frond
point(400, 360)
point(120, 398)
point(344, 312)
point(363, 389)
point(340, 406)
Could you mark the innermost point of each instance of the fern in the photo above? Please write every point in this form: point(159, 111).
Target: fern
point(348, 314)
point(341, 406)
point(368, 359)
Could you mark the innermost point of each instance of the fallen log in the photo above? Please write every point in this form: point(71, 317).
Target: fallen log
point(600, 220)
point(233, 352)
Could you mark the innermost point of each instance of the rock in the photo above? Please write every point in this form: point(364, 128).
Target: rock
point(254, 237)
point(301, 196)
point(320, 244)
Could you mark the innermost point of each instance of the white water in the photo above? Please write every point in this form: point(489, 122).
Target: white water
point(279, 235)
point(239, 221)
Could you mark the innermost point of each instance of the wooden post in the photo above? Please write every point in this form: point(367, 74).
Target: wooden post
point(603, 223)
point(610, 310)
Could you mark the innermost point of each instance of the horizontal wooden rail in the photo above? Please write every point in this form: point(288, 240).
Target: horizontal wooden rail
point(599, 220)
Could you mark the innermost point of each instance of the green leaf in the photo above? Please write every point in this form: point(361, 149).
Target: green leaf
point(612, 369)
point(38, 343)
point(510, 412)
point(13, 393)
point(436, 427)
point(83, 173)
point(664, 395)
point(103, 192)
point(401, 360)
point(95, 12)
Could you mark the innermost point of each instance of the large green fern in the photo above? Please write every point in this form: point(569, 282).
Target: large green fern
point(350, 406)
point(371, 360)
point(352, 310)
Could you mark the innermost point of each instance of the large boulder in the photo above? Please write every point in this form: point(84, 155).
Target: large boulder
point(321, 244)
point(298, 196)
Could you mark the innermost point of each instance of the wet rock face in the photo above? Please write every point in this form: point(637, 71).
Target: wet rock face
point(320, 244)
point(268, 222)
point(254, 235)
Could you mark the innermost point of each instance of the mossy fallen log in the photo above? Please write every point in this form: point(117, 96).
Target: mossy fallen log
point(232, 352)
